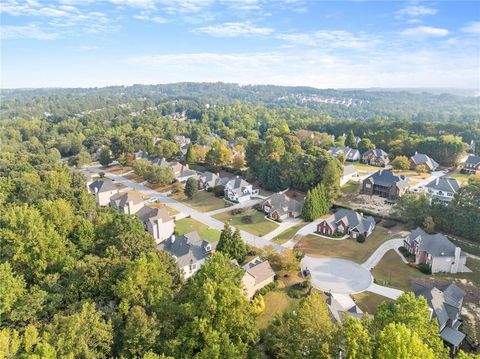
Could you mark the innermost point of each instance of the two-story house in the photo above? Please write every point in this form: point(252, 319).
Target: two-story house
point(239, 190)
point(420, 159)
point(386, 184)
point(375, 157)
point(127, 202)
point(157, 222)
point(445, 302)
point(258, 274)
point(180, 171)
point(346, 221)
point(103, 189)
point(472, 165)
point(436, 251)
point(189, 251)
point(443, 188)
point(350, 154)
point(284, 204)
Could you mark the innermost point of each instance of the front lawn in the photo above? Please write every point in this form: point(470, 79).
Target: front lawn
point(187, 225)
point(412, 174)
point(368, 302)
point(392, 272)
point(288, 234)
point(259, 225)
point(364, 167)
point(316, 246)
point(202, 201)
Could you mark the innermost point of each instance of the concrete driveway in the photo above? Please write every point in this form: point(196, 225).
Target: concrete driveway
point(337, 275)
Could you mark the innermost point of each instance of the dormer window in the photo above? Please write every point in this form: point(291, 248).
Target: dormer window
point(208, 248)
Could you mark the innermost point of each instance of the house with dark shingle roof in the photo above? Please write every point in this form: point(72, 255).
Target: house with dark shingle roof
point(239, 190)
point(127, 202)
point(436, 251)
point(351, 154)
point(189, 251)
point(420, 159)
point(443, 188)
point(284, 204)
point(375, 157)
point(103, 189)
point(157, 222)
point(386, 184)
point(347, 222)
point(472, 165)
point(445, 302)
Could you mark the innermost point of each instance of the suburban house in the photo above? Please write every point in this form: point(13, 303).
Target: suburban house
point(445, 302)
point(189, 251)
point(128, 202)
point(157, 222)
point(350, 154)
point(180, 171)
point(258, 274)
point(376, 157)
point(443, 188)
point(472, 165)
point(436, 251)
point(239, 190)
point(346, 221)
point(420, 159)
point(341, 304)
point(183, 142)
point(208, 180)
point(141, 155)
point(103, 189)
point(284, 204)
point(349, 171)
point(386, 184)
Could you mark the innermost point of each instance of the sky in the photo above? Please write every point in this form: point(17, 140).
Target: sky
point(324, 44)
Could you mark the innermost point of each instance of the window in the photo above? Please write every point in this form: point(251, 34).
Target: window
point(368, 185)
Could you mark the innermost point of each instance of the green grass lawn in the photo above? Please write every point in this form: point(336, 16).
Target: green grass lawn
point(350, 187)
point(203, 201)
point(349, 248)
point(392, 272)
point(259, 226)
point(369, 302)
point(264, 192)
point(187, 225)
point(363, 167)
point(461, 177)
point(472, 279)
point(276, 302)
point(468, 247)
point(285, 236)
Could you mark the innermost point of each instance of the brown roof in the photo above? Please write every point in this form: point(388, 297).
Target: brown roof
point(259, 269)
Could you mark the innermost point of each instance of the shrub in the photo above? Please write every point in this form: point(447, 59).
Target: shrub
point(237, 211)
point(219, 191)
point(388, 223)
point(210, 189)
point(361, 238)
point(299, 290)
point(425, 268)
point(247, 219)
point(258, 304)
point(269, 287)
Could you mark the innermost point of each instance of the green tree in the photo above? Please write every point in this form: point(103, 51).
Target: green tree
point(105, 157)
point(316, 203)
point(355, 339)
point(81, 335)
point(191, 187)
point(166, 149)
point(219, 155)
point(231, 244)
point(351, 141)
point(159, 175)
point(139, 335)
point(413, 208)
point(215, 319)
point(365, 144)
point(225, 241)
point(191, 156)
point(306, 331)
point(401, 163)
point(12, 288)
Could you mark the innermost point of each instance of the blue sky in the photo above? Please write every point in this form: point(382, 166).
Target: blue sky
point(337, 44)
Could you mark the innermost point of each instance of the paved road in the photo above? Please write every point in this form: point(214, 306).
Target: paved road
point(180, 207)
point(376, 256)
point(245, 204)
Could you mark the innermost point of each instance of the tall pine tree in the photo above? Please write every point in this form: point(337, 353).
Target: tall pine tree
point(191, 156)
point(350, 141)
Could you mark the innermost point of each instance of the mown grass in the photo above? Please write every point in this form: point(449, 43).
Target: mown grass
point(288, 234)
point(187, 225)
point(202, 201)
point(259, 226)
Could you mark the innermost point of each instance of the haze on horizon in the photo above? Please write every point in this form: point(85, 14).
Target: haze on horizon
point(72, 43)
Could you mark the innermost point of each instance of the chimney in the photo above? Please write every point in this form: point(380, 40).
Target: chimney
point(416, 152)
point(186, 166)
point(456, 263)
point(172, 238)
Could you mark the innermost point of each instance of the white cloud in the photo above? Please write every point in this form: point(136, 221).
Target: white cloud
point(472, 28)
point(30, 31)
point(331, 39)
point(142, 4)
point(235, 29)
point(425, 31)
point(86, 48)
point(416, 11)
point(157, 19)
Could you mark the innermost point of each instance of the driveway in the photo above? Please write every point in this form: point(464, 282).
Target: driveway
point(337, 275)
point(376, 256)
point(388, 292)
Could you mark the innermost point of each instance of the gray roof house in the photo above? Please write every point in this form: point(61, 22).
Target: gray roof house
point(445, 302)
point(103, 189)
point(284, 204)
point(436, 251)
point(420, 159)
point(472, 164)
point(376, 157)
point(443, 188)
point(180, 171)
point(348, 222)
point(157, 222)
point(385, 183)
point(239, 190)
point(350, 154)
point(341, 305)
point(189, 251)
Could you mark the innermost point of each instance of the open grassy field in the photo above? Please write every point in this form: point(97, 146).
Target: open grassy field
point(363, 167)
point(187, 225)
point(392, 272)
point(259, 226)
point(285, 236)
point(317, 246)
point(412, 174)
point(369, 302)
point(203, 201)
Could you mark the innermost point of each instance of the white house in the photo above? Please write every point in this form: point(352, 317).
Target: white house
point(443, 188)
point(239, 190)
point(103, 189)
point(157, 222)
point(350, 154)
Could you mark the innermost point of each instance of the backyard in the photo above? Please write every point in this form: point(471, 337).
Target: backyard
point(202, 201)
point(258, 226)
point(288, 234)
point(368, 301)
point(316, 246)
point(187, 225)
